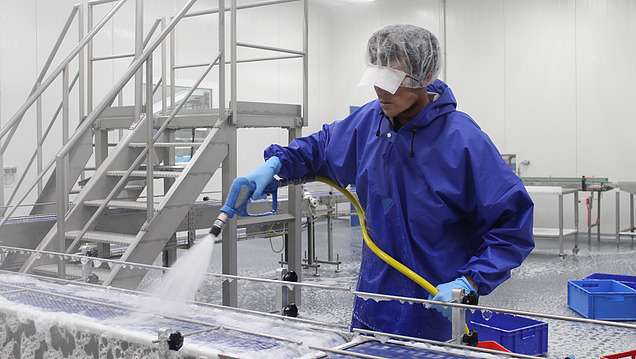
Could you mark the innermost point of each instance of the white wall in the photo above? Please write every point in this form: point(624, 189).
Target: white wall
point(549, 80)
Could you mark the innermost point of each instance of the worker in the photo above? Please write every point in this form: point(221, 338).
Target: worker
point(438, 196)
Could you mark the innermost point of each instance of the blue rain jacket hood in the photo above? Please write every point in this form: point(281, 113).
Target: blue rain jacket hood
point(438, 197)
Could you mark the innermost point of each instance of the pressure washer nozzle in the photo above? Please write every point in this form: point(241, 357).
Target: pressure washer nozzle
point(219, 224)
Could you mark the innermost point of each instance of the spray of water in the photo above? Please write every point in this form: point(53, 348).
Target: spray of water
point(180, 284)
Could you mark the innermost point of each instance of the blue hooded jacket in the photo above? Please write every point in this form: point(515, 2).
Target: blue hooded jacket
point(438, 197)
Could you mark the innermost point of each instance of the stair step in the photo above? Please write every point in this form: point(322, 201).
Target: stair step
point(157, 174)
point(166, 144)
point(103, 237)
point(73, 270)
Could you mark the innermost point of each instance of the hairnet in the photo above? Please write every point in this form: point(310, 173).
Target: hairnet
point(402, 55)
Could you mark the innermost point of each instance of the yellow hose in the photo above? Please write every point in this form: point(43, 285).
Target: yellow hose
point(367, 239)
point(374, 248)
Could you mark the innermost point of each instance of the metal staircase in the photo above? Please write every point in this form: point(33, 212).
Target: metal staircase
point(72, 207)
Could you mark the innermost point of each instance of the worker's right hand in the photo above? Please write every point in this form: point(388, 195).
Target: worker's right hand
point(445, 294)
point(263, 175)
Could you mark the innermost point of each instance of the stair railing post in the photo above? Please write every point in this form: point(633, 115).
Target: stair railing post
point(38, 135)
point(149, 144)
point(81, 63)
point(61, 166)
point(164, 73)
point(139, 48)
point(65, 105)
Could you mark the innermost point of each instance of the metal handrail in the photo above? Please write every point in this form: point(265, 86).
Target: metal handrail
point(45, 68)
point(40, 143)
point(130, 72)
point(58, 70)
point(88, 123)
point(122, 181)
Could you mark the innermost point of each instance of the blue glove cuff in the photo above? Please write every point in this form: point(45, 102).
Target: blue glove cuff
point(274, 163)
point(466, 284)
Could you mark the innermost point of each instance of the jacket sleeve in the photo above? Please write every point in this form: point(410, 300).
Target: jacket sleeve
point(330, 152)
point(506, 240)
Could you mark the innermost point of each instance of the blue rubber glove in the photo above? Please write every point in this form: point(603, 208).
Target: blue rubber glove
point(263, 175)
point(445, 294)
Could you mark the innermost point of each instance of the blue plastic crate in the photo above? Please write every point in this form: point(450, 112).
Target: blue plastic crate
point(518, 334)
point(603, 299)
point(628, 280)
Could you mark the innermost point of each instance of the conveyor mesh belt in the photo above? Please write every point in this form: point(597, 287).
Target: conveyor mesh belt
point(394, 350)
point(221, 330)
point(215, 330)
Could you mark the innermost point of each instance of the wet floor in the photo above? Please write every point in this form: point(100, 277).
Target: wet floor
point(538, 286)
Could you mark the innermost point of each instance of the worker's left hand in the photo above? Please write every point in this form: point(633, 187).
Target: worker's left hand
point(445, 294)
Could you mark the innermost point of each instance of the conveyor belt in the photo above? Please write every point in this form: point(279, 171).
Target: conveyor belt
point(112, 314)
point(398, 350)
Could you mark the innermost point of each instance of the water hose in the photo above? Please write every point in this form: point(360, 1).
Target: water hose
point(374, 248)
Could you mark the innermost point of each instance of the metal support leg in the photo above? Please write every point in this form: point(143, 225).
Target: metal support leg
point(590, 203)
point(311, 243)
point(598, 218)
point(330, 231)
point(575, 250)
point(459, 317)
point(618, 216)
point(561, 226)
point(170, 254)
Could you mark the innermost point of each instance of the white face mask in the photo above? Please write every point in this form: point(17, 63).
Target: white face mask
point(383, 77)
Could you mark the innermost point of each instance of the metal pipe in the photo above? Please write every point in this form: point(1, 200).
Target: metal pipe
point(173, 73)
point(81, 65)
point(305, 54)
point(508, 311)
point(62, 198)
point(112, 57)
point(152, 30)
point(149, 161)
point(233, 68)
point(139, 46)
point(40, 143)
point(66, 116)
point(270, 48)
point(164, 73)
point(132, 69)
point(49, 80)
point(38, 136)
point(89, 62)
point(100, 2)
point(164, 269)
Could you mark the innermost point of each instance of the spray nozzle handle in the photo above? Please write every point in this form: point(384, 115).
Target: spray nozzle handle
point(241, 195)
